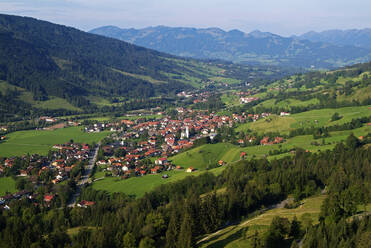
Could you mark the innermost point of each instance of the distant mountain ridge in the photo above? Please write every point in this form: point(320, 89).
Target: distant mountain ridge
point(350, 37)
point(255, 47)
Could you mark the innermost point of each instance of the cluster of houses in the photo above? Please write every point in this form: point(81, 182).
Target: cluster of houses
point(122, 167)
point(248, 99)
point(197, 97)
point(262, 141)
point(99, 127)
point(164, 137)
point(4, 200)
point(69, 155)
point(268, 141)
point(160, 139)
point(57, 165)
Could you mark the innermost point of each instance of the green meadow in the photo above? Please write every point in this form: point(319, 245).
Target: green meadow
point(7, 184)
point(41, 141)
point(230, 99)
point(288, 103)
point(202, 156)
point(138, 186)
point(313, 118)
point(225, 80)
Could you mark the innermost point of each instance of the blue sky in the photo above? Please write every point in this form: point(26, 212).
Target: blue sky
point(284, 17)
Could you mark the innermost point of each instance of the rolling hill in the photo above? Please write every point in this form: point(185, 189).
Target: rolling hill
point(255, 47)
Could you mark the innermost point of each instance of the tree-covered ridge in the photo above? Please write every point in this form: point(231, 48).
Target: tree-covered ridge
point(54, 60)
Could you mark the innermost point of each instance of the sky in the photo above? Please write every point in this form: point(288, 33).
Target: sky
point(283, 17)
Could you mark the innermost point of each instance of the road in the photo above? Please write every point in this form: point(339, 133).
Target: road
point(85, 177)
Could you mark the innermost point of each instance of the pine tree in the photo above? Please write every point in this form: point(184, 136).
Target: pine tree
point(185, 234)
point(172, 230)
point(295, 228)
point(129, 240)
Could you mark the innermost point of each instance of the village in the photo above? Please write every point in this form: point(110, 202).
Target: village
point(135, 147)
point(146, 147)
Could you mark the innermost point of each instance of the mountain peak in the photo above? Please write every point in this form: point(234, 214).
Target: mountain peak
point(259, 34)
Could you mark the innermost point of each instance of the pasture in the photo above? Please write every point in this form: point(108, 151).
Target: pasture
point(41, 141)
point(313, 118)
point(288, 103)
point(138, 186)
point(202, 156)
point(7, 184)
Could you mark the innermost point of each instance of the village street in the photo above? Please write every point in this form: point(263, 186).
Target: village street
point(85, 177)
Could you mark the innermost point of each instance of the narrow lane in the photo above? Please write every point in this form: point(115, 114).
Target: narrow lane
point(85, 177)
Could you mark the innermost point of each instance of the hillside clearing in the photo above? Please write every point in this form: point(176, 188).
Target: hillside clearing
point(234, 236)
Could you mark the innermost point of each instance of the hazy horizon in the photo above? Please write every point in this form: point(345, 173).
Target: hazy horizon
point(286, 18)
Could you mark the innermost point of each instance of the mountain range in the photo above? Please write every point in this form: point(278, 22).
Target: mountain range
point(350, 37)
point(250, 48)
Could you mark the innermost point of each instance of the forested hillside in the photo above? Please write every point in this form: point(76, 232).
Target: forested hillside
point(49, 60)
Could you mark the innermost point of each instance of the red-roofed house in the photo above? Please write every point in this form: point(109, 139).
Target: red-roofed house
point(243, 155)
point(264, 141)
point(48, 198)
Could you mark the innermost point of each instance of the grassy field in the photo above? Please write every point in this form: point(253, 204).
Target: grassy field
point(7, 184)
point(142, 77)
point(323, 116)
point(230, 99)
point(225, 80)
point(40, 141)
point(204, 155)
point(272, 123)
point(315, 118)
point(288, 103)
point(137, 186)
point(238, 235)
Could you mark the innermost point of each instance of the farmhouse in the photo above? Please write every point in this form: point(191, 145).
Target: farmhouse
point(161, 161)
point(48, 198)
point(284, 114)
